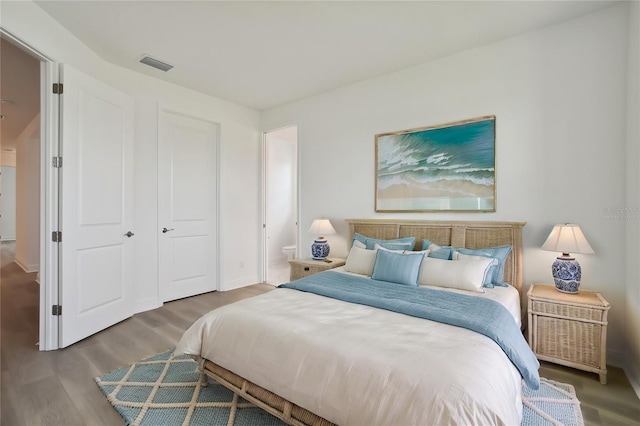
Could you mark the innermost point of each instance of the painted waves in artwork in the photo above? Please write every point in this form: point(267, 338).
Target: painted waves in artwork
point(451, 167)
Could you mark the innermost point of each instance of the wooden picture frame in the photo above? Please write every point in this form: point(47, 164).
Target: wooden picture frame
point(448, 167)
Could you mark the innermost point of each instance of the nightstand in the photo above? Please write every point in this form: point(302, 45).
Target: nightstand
point(569, 329)
point(304, 267)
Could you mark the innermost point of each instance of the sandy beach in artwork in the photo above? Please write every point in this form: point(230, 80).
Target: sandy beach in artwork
point(447, 168)
point(438, 189)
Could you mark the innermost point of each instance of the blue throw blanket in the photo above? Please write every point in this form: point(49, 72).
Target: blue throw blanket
point(481, 315)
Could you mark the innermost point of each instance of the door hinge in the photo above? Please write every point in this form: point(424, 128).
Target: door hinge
point(58, 88)
point(56, 310)
point(56, 236)
point(57, 162)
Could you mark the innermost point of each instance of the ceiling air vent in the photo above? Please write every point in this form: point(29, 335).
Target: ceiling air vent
point(156, 63)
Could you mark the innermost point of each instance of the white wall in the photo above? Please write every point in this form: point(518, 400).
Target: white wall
point(559, 95)
point(281, 193)
point(8, 204)
point(28, 197)
point(239, 156)
point(632, 218)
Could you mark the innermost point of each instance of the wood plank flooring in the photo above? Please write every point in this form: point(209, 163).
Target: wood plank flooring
point(57, 387)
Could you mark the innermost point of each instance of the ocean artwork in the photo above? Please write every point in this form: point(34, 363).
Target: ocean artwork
point(449, 167)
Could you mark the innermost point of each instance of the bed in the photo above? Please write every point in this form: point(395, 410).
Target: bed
point(308, 357)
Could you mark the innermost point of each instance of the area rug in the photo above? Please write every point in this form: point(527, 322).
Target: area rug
point(553, 404)
point(168, 390)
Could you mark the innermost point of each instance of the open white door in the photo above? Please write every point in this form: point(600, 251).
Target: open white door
point(96, 206)
point(187, 205)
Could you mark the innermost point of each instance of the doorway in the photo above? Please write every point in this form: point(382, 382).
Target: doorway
point(20, 147)
point(46, 293)
point(281, 202)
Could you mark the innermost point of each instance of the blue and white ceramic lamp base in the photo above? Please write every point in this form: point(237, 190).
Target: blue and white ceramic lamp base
point(320, 249)
point(566, 274)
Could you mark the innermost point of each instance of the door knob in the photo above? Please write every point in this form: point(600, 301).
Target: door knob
point(165, 230)
point(129, 234)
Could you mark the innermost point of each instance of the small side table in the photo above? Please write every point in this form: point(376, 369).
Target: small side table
point(569, 329)
point(301, 268)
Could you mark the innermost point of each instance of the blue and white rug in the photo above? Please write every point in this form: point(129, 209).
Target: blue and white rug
point(554, 403)
point(168, 390)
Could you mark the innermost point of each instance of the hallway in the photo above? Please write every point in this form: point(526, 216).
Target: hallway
point(19, 300)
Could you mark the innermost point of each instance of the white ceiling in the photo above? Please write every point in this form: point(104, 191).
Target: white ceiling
point(263, 54)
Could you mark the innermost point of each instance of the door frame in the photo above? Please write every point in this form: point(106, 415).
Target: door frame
point(165, 107)
point(265, 194)
point(49, 193)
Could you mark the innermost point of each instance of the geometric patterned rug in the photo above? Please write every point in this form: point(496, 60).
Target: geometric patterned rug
point(553, 404)
point(163, 390)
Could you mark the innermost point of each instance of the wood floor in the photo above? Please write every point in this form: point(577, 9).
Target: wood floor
point(57, 387)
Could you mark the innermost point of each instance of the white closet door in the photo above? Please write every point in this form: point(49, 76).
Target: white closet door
point(96, 207)
point(187, 202)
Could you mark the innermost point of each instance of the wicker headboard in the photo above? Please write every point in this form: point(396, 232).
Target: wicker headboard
point(465, 234)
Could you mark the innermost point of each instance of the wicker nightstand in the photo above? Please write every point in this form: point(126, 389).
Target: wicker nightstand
point(569, 329)
point(303, 267)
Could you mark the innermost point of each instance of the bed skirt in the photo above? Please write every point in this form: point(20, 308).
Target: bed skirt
point(274, 404)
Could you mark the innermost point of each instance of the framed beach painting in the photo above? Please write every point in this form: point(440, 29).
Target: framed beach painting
point(448, 167)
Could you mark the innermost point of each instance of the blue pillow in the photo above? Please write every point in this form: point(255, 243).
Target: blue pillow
point(371, 242)
point(396, 267)
point(498, 253)
point(444, 253)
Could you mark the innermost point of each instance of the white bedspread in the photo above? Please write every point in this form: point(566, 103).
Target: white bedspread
point(358, 365)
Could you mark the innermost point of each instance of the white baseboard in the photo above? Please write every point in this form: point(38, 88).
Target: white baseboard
point(146, 305)
point(27, 268)
point(239, 283)
point(630, 367)
point(632, 370)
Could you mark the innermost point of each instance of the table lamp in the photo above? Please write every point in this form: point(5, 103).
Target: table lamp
point(320, 246)
point(567, 238)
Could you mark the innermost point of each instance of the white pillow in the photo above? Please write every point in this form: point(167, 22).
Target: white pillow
point(360, 260)
point(464, 275)
point(488, 273)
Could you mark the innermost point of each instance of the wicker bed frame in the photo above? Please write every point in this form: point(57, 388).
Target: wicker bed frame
point(471, 235)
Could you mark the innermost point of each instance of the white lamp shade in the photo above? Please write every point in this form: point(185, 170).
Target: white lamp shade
point(567, 238)
point(321, 227)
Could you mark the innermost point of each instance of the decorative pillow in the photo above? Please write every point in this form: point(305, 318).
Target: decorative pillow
point(360, 260)
point(396, 267)
point(488, 276)
point(500, 253)
point(439, 252)
point(371, 242)
point(454, 274)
